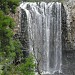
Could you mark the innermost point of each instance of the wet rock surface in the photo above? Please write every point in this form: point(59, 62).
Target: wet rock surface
point(68, 67)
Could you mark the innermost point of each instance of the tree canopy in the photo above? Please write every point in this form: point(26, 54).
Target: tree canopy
point(12, 59)
point(9, 5)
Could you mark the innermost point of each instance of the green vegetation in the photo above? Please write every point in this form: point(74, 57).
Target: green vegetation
point(8, 5)
point(12, 60)
point(28, 67)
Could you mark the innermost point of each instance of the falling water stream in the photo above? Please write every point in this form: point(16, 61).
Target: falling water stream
point(44, 31)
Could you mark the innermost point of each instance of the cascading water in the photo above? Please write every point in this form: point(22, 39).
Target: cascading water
point(44, 31)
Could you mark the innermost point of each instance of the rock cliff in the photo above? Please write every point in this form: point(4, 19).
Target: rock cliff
point(69, 6)
point(70, 11)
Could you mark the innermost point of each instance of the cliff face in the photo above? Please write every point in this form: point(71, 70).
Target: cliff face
point(69, 6)
point(70, 12)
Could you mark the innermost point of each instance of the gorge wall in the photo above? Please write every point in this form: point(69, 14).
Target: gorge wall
point(70, 11)
point(68, 54)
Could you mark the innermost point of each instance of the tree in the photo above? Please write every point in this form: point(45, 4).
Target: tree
point(27, 68)
point(12, 60)
point(9, 5)
point(7, 46)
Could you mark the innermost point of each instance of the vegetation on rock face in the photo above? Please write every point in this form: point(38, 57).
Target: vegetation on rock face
point(12, 60)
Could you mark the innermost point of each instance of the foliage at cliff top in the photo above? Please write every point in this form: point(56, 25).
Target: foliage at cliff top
point(8, 5)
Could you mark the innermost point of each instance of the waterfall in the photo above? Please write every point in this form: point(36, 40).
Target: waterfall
point(44, 33)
